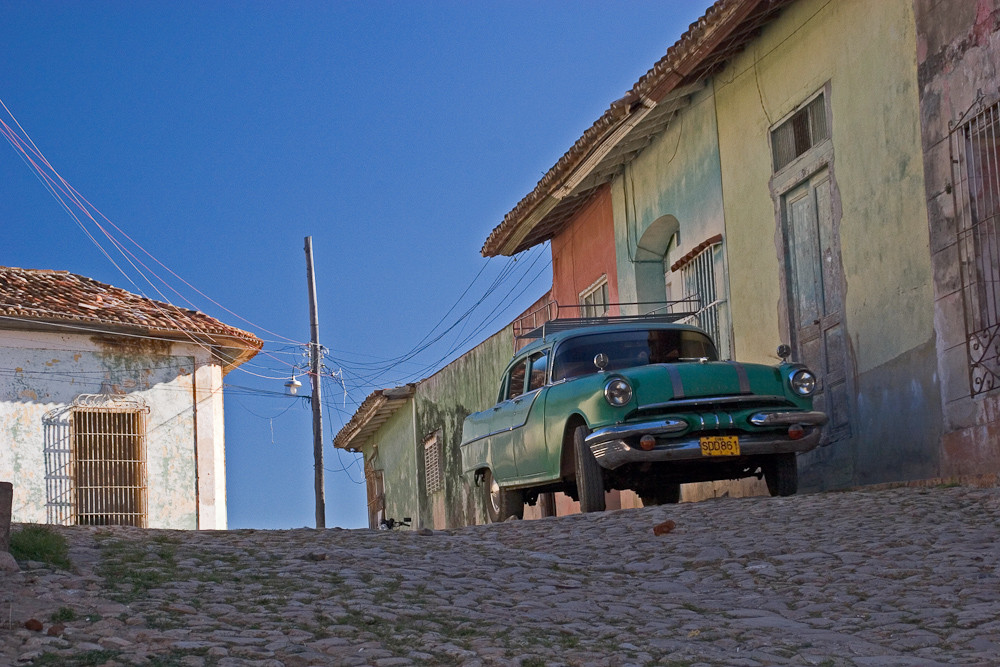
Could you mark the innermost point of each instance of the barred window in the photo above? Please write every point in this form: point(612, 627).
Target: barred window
point(699, 278)
point(433, 464)
point(977, 144)
point(109, 464)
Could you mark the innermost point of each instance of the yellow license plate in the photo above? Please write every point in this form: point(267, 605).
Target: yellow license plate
point(720, 445)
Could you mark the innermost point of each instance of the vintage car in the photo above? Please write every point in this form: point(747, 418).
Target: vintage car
point(643, 405)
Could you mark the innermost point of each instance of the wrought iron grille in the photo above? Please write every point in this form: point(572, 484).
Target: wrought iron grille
point(109, 461)
point(699, 282)
point(976, 164)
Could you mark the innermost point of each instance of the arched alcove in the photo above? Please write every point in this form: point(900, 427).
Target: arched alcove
point(650, 249)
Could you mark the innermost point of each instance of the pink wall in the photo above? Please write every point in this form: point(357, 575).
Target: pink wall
point(584, 251)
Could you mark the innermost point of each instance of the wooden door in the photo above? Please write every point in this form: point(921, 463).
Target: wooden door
point(816, 303)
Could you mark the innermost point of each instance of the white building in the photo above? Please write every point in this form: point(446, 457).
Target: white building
point(111, 408)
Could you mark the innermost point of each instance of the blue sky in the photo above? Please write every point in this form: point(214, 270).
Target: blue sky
point(396, 134)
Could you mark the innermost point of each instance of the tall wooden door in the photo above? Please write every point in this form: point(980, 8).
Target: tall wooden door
point(816, 303)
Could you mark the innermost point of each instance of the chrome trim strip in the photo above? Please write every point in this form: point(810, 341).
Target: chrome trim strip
point(814, 418)
point(719, 400)
point(608, 433)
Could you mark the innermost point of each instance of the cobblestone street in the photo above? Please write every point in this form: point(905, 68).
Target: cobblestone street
point(884, 577)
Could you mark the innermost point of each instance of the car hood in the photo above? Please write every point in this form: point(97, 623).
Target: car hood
point(659, 383)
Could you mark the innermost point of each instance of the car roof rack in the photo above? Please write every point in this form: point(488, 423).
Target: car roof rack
point(567, 323)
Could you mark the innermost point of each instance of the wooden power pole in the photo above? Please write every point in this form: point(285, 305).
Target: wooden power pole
point(315, 363)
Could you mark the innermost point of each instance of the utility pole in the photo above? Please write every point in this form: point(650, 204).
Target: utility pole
point(314, 370)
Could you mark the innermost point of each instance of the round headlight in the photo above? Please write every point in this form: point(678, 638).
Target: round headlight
point(618, 392)
point(803, 382)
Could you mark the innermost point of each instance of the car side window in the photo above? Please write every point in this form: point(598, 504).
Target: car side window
point(515, 380)
point(539, 366)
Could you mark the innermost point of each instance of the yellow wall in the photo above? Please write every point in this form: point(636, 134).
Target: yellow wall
point(866, 52)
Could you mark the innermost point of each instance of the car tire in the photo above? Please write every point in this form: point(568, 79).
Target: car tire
point(589, 475)
point(663, 494)
point(501, 504)
point(781, 473)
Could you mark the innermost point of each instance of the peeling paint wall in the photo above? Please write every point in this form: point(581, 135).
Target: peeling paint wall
point(674, 185)
point(441, 403)
point(958, 53)
point(468, 384)
point(863, 54)
point(43, 373)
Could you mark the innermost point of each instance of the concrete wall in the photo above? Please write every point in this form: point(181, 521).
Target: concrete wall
point(864, 55)
point(185, 445)
point(958, 51)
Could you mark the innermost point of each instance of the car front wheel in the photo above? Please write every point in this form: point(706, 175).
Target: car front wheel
point(782, 475)
point(501, 504)
point(589, 475)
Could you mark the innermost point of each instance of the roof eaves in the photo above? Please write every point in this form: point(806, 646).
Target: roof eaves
point(374, 411)
point(687, 55)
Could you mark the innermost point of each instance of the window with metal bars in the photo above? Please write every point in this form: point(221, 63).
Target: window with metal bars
point(806, 128)
point(109, 465)
point(433, 465)
point(698, 276)
point(976, 160)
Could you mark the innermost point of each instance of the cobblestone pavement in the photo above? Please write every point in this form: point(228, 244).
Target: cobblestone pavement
point(887, 577)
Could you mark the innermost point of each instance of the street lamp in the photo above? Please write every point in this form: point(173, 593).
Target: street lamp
point(292, 386)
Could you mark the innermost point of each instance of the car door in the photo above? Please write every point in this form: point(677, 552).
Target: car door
point(507, 417)
point(528, 440)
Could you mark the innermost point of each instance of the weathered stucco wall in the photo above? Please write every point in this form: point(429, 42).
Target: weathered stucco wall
point(440, 405)
point(468, 384)
point(865, 54)
point(583, 252)
point(958, 51)
point(393, 451)
point(46, 372)
point(675, 184)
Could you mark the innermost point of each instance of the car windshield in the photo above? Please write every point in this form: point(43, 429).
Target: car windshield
point(627, 349)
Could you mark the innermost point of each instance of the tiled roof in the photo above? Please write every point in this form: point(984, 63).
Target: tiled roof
point(60, 297)
point(374, 411)
point(630, 123)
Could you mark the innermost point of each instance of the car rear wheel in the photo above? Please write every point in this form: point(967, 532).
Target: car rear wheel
point(501, 504)
point(662, 494)
point(589, 475)
point(782, 475)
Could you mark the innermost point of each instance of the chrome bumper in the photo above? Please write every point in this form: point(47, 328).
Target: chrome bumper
point(616, 453)
point(611, 449)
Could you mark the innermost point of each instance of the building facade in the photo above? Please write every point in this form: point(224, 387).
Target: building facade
point(111, 404)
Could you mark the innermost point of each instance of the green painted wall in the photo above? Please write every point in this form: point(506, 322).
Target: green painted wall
point(675, 183)
point(468, 384)
point(396, 458)
point(441, 402)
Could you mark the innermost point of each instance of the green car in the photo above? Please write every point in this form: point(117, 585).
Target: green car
point(643, 405)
